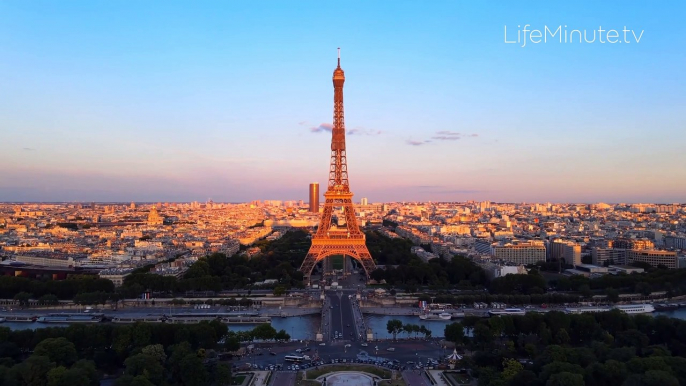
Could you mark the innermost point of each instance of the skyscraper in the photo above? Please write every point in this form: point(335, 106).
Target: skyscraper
point(314, 197)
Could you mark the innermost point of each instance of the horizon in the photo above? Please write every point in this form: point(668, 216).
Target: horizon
point(158, 102)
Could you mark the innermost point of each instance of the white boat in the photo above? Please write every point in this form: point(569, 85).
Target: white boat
point(507, 311)
point(2, 319)
point(636, 308)
point(445, 316)
point(429, 317)
point(69, 318)
point(586, 310)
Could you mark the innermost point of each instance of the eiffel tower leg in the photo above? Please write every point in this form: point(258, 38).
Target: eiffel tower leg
point(310, 261)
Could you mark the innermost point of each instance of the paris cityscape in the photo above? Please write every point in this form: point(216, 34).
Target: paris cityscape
point(221, 235)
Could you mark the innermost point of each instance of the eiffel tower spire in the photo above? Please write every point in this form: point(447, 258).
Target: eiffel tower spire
point(331, 240)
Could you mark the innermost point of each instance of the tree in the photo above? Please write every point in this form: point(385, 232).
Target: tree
point(279, 291)
point(585, 291)
point(141, 380)
point(193, 372)
point(23, 298)
point(156, 351)
point(454, 332)
point(223, 374)
point(282, 335)
point(511, 367)
point(33, 371)
point(60, 376)
point(146, 365)
point(566, 379)
point(58, 350)
point(264, 331)
point(394, 326)
point(612, 295)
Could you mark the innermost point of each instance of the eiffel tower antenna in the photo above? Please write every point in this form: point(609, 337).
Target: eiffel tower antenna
point(348, 240)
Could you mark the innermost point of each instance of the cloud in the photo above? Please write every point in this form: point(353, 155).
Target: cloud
point(29, 149)
point(447, 135)
point(363, 131)
point(356, 131)
point(322, 127)
point(416, 143)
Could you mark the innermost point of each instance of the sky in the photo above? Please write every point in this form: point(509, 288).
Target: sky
point(230, 100)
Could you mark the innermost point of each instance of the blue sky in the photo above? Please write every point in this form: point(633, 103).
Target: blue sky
point(182, 101)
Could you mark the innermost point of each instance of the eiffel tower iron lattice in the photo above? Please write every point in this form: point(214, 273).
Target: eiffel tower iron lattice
point(330, 239)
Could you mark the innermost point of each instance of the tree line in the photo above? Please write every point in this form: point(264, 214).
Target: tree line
point(395, 327)
point(149, 354)
point(555, 348)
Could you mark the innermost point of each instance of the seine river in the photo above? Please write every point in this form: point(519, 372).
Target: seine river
point(305, 327)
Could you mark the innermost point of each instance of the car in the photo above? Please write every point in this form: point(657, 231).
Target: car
point(364, 345)
point(348, 345)
point(322, 344)
point(272, 353)
point(308, 349)
point(299, 351)
point(390, 349)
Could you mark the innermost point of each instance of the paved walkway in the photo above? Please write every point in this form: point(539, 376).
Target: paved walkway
point(436, 375)
point(282, 378)
point(415, 378)
point(260, 378)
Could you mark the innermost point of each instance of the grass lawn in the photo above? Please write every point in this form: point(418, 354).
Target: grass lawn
point(238, 379)
point(458, 378)
point(316, 373)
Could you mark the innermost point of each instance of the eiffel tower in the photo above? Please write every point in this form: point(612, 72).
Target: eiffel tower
point(330, 239)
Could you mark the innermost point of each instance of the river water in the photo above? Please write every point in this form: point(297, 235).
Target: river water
point(305, 327)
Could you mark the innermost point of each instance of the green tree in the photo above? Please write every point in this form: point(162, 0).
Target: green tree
point(223, 374)
point(454, 332)
point(394, 326)
point(511, 367)
point(156, 351)
point(146, 365)
point(612, 295)
point(140, 380)
point(23, 298)
point(264, 331)
point(279, 291)
point(193, 372)
point(566, 379)
point(58, 350)
point(32, 371)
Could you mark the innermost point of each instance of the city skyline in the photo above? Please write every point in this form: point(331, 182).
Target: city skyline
point(161, 102)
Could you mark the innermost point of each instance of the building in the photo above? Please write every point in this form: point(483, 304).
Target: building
point(314, 197)
point(571, 253)
point(46, 261)
point(632, 244)
point(115, 275)
point(653, 257)
point(363, 201)
point(520, 253)
point(675, 242)
point(154, 218)
point(588, 270)
point(602, 256)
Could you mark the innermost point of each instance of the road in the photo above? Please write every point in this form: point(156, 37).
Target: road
point(415, 378)
point(342, 317)
point(283, 378)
